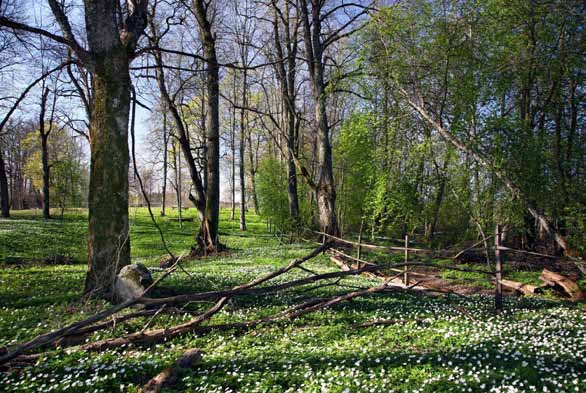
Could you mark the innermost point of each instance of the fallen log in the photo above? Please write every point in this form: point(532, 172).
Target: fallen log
point(525, 289)
point(168, 376)
point(562, 283)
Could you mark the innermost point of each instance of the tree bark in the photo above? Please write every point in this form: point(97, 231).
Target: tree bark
point(108, 243)
point(253, 167)
point(233, 148)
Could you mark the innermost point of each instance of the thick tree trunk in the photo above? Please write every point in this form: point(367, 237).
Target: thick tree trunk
point(4, 195)
point(213, 144)
point(325, 192)
point(108, 242)
point(325, 187)
point(213, 119)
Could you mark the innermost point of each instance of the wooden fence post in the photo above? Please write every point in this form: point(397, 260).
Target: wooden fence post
point(359, 252)
point(498, 295)
point(405, 274)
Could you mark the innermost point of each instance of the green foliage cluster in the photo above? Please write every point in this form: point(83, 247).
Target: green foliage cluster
point(502, 78)
point(271, 188)
point(69, 176)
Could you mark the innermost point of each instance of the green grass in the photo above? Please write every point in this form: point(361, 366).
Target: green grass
point(442, 345)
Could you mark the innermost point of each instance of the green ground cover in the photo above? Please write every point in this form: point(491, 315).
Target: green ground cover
point(447, 344)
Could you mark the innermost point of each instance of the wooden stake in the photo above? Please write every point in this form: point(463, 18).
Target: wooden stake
point(359, 252)
point(498, 295)
point(405, 274)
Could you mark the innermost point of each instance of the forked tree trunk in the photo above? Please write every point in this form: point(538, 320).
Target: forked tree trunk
point(287, 78)
point(325, 192)
point(314, 47)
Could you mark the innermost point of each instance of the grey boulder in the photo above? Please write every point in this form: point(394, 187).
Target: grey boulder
point(132, 281)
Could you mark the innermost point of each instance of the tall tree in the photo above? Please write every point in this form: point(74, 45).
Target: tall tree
point(203, 13)
point(286, 45)
point(205, 237)
point(111, 36)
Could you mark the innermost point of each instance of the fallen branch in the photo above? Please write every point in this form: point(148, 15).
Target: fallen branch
point(472, 247)
point(51, 337)
point(155, 335)
point(168, 376)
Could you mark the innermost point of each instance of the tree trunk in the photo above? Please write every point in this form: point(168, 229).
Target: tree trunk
point(46, 177)
point(325, 187)
point(4, 198)
point(252, 174)
point(233, 148)
point(204, 238)
point(45, 156)
point(287, 78)
point(165, 164)
point(208, 39)
point(326, 193)
point(242, 157)
point(108, 242)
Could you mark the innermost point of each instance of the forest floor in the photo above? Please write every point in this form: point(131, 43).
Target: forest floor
point(436, 344)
